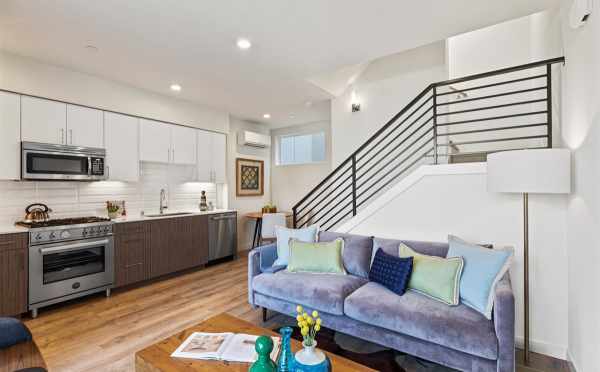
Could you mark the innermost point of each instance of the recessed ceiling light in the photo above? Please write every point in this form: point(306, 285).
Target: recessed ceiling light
point(176, 87)
point(292, 116)
point(267, 116)
point(244, 43)
point(308, 103)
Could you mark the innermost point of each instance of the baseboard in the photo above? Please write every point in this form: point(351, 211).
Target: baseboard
point(571, 362)
point(555, 351)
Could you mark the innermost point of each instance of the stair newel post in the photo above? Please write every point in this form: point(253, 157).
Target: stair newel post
point(294, 217)
point(435, 117)
point(354, 184)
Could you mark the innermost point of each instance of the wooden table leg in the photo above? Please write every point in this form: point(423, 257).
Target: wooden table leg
point(256, 226)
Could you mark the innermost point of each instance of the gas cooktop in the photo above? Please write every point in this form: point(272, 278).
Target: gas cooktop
point(63, 222)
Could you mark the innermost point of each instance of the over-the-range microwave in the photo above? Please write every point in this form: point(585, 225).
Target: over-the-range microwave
point(44, 161)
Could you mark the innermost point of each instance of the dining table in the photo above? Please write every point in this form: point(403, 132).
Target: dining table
point(257, 216)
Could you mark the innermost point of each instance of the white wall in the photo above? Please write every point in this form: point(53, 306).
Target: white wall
point(70, 199)
point(439, 200)
point(245, 204)
point(25, 75)
point(581, 133)
point(384, 88)
point(289, 183)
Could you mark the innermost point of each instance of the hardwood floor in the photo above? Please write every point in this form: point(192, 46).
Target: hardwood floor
point(102, 334)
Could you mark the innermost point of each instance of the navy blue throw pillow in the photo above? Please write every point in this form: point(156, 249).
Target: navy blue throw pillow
point(392, 272)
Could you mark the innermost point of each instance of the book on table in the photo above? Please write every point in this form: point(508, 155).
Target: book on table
point(232, 347)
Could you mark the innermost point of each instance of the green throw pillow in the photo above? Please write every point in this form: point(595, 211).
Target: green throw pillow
point(435, 277)
point(316, 257)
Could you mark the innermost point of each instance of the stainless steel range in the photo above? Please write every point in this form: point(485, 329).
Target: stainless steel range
point(69, 258)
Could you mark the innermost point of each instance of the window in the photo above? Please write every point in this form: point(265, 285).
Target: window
point(302, 148)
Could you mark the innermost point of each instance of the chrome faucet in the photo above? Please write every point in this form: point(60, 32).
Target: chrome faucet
point(163, 201)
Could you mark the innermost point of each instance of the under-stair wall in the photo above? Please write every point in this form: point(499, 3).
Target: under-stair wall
point(434, 201)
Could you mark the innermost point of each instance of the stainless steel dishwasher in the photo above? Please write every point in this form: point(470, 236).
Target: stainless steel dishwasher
point(222, 236)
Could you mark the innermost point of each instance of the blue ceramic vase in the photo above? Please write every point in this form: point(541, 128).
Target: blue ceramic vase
point(285, 361)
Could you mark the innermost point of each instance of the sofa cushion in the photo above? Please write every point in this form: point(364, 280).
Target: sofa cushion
point(323, 292)
point(357, 251)
point(457, 327)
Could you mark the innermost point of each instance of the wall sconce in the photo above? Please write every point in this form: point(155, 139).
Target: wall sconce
point(355, 102)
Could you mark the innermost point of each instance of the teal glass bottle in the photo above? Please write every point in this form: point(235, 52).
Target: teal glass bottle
point(264, 346)
point(286, 358)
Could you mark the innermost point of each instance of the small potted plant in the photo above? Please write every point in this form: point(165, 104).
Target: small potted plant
point(309, 325)
point(113, 210)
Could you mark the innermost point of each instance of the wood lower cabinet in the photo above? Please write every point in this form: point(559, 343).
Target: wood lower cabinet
point(13, 274)
point(132, 253)
point(178, 244)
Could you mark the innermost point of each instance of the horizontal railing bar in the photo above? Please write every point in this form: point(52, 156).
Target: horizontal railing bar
point(491, 129)
point(309, 203)
point(396, 147)
point(336, 213)
point(505, 139)
point(394, 139)
point(490, 152)
point(402, 162)
point(335, 197)
point(393, 178)
point(345, 162)
point(336, 222)
point(487, 86)
point(493, 118)
point(493, 107)
point(500, 94)
point(398, 126)
point(501, 71)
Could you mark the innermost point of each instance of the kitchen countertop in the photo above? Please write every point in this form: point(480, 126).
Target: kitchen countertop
point(138, 217)
point(13, 229)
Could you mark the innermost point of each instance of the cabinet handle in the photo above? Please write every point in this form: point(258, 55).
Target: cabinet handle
point(71, 136)
point(168, 155)
point(108, 172)
point(62, 136)
point(173, 154)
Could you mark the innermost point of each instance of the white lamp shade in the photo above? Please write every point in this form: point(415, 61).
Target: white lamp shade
point(544, 171)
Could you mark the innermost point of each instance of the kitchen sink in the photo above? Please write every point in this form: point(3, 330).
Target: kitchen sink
point(169, 214)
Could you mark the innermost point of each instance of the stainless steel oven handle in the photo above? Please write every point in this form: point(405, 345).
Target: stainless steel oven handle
point(89, 165)
point(73, 247)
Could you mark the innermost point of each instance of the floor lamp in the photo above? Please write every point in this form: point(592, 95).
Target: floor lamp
point(540, 171)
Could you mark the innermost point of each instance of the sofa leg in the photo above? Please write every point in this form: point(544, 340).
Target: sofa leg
point(264, 314)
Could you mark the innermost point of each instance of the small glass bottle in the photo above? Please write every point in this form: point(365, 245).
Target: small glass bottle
point(286, 358)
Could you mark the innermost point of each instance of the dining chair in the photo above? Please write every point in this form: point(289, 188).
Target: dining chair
point(268, 223)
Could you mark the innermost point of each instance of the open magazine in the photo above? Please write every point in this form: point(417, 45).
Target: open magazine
point(232, 347)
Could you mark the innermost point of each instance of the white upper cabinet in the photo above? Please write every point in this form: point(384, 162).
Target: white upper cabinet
point(205, 167)
point(183, 145)
point(212, 152)
point(43, 120)
point(10, 136)
point(155, 141)
point(219, 146)
point(84, 127)
point(122, 156)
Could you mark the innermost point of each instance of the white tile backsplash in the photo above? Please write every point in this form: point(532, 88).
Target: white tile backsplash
point(69, 199)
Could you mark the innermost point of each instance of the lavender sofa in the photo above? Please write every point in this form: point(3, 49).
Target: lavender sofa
point(454, 336)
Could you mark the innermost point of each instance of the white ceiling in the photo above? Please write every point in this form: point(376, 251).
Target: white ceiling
point(152, 43)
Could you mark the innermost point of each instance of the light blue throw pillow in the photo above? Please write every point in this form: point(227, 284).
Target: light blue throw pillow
point(483, 268)
point(283, 235)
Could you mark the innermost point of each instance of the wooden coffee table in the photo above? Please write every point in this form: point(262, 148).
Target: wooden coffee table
point(157, 357)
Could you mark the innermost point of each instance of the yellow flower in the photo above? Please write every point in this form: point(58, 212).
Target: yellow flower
point(309, 320)
point(304, 331)
point(299, 309)
point(315, 313)
point(299, 318)
point(305, 315)
point(317, 327)
point(319, 321)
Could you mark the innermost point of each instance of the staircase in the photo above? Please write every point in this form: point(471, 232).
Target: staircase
point(453, 121)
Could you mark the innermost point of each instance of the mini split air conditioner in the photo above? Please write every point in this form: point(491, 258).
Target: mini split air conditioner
point(247, 138)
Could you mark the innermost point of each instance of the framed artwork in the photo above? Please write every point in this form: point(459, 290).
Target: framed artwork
point(249, 177)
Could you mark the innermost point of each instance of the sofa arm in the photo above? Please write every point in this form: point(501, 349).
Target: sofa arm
point(259, 259)
point(504, 324)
